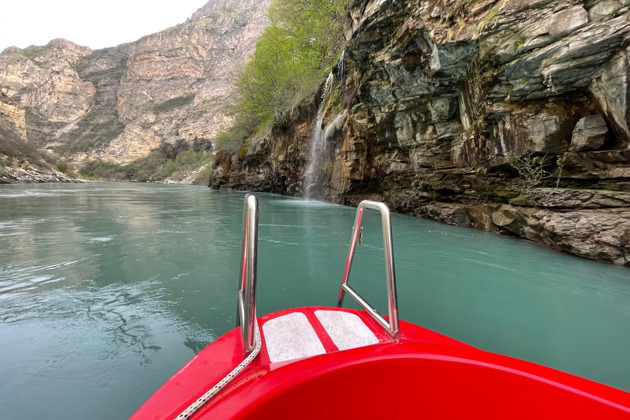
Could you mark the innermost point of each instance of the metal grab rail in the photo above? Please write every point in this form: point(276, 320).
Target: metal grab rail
point(246, 305)
point(390, 327)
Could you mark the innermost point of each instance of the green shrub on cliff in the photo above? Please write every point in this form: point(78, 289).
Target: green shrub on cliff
point(231, 140)
point(313, 24)
point(531, 171)
point(173, 103)
point(169, 161)
point(292, 57)
point(96, 129)
point(14, 149)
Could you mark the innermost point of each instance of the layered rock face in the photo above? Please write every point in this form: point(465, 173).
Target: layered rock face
point(509, 116)
point(119, 103)
point(20, 161)
point(45, 80)
point(12, 119)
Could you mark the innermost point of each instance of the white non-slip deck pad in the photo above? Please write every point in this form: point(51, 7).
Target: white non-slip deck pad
point(291, 337)
point(345, 329)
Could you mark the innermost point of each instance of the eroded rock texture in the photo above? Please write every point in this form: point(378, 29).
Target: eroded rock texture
point(118, 103)
point(509, 116)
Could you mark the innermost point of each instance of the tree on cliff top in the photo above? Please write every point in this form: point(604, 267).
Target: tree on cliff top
point(291, 58)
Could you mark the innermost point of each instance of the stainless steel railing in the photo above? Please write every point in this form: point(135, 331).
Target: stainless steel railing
point(390, 327)
point(246, 306)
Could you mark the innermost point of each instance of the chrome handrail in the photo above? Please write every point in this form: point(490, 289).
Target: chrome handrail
point(390, 327)
point(246, 306)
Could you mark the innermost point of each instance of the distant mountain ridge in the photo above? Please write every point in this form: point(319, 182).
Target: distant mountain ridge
point(116, 104)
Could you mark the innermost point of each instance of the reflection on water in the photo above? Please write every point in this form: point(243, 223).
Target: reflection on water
point(107, 289)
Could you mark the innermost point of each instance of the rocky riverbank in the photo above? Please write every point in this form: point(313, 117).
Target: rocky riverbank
point(508, 116)
point(31, 175)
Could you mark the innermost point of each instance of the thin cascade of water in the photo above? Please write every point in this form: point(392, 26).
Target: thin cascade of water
point(314, 170)
point(341, 66)
point(332, 127)
point(312, 184)
point(327, 89)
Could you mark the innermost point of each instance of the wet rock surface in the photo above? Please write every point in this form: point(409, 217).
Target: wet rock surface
point(449, 106)
point(34, 175)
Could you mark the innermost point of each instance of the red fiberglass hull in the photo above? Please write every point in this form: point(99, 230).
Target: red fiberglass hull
point(421, 375)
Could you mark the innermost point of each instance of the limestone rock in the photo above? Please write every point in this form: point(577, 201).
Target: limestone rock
point(541, 130)
point(503, 217)
point(45, 79)
point(604, 9)
point(612, 165)
point(566, 198)
point(610, 89)
point(34, 175)
point(600, 234)
point(449, 213)
point(118, 103)
point(481, 217)
point(589, 134)
point(447, 94)
point(13, 115)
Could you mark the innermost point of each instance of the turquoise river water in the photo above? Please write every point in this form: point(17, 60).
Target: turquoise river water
point(107, 289)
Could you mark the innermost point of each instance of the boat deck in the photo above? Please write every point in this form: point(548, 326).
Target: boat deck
point(325, 363)
point(309, 333)
point(287, 337)
point(366, 374)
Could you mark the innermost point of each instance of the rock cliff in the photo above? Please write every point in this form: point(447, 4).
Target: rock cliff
point(505, 115)
point(20, 161)
point(118, 103)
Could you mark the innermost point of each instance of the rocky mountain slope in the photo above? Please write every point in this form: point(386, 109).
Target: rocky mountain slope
point(505, 115)
point(118, 103)
point(21, 161)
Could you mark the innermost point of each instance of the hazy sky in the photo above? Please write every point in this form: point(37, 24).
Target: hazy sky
point(95, 24)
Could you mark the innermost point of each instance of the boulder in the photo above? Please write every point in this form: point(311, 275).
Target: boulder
point(602, 234)
point(567, 198)
point(603, 9)
point(611, 92)
point(589, 134)
point(449, 213)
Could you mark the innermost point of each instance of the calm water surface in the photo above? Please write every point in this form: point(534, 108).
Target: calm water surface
point(107, 289)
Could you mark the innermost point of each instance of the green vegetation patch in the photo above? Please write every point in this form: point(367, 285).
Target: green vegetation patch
point(14, 148)
point(613, 14)
point(486, 20)
point(168, 161)
point(231, 140)
point(173, 103)
point(96, 129)
point(519, 42)
point(39, 130)
point(33, 52)
point(291, 59)
point(106, 63)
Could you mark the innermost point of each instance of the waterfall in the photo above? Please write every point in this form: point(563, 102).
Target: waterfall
point(313, 175)
point(341, 66)
point(314, 169)
point(333, 126)
point(327, 89)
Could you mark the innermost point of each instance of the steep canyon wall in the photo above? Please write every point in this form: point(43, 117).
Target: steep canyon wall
point(510, 116)
point(118, 103)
